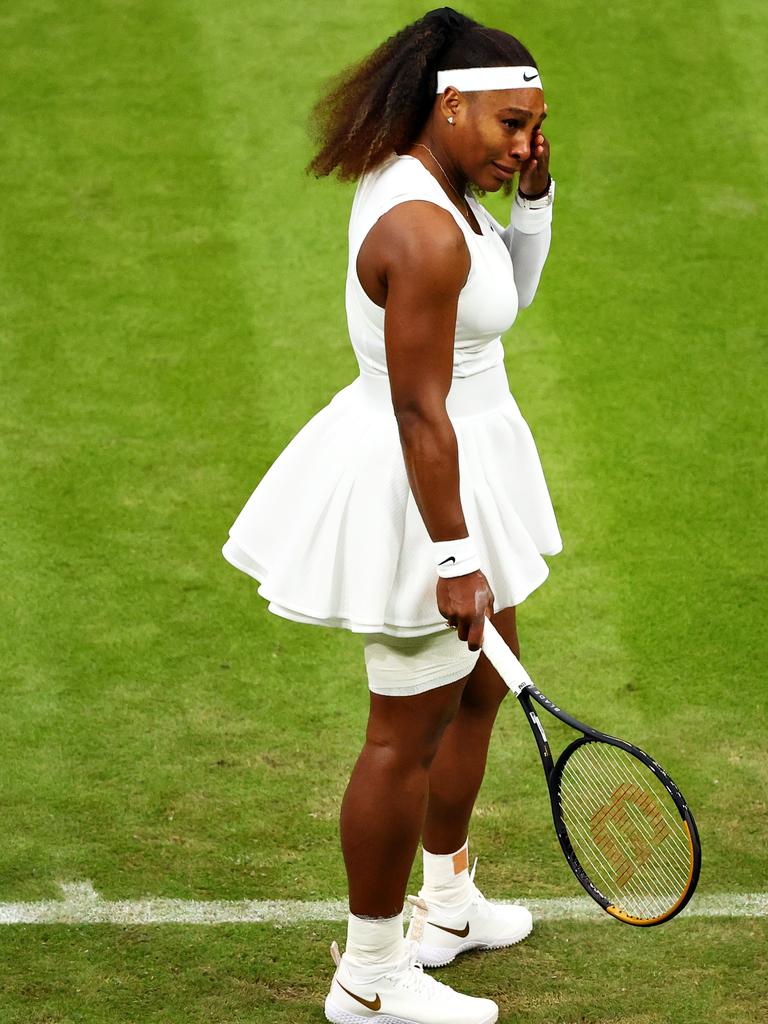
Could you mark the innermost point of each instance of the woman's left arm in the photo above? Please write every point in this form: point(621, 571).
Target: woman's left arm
point(528, 235)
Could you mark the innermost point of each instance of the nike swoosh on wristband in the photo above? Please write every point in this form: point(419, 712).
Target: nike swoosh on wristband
point(372, 1004)
point(462, 933)
point(527, 79)
point(451, 559)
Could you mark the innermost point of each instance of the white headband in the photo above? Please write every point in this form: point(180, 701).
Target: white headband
point(477, 79)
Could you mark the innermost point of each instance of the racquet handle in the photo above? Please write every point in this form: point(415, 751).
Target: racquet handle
point(503, 659)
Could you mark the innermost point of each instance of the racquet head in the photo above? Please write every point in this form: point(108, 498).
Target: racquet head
point(625, 830)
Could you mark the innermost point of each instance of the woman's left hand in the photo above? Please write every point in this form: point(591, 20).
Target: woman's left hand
point(534, 173)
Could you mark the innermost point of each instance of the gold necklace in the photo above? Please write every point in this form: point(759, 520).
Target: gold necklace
point(442, 169)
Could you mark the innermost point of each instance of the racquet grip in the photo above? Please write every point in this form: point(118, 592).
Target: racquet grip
point(503, 659)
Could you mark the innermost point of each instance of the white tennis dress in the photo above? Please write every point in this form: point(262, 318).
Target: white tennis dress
point(332, 531)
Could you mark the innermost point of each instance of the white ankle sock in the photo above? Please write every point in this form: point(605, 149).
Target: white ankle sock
point(375, 942)
point(446, 878)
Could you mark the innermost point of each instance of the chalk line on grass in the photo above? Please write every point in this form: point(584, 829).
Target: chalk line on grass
point(81, 904)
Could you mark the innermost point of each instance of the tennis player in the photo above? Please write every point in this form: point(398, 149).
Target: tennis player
point(414, 504)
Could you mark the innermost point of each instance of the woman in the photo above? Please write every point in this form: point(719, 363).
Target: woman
point(414, 504)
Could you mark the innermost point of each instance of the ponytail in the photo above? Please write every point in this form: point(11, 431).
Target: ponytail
point(381, 103)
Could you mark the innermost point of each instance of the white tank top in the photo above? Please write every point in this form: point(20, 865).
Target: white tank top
point(488, 301)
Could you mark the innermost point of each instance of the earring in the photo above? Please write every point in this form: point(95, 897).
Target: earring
point(450, 120)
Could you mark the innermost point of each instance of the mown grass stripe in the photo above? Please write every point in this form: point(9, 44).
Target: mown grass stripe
point(81, 904)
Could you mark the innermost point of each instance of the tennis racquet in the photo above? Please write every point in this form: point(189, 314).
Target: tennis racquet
point(623, 825)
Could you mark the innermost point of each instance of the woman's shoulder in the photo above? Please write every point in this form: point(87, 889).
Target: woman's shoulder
point(397, 178)
point(400, 171)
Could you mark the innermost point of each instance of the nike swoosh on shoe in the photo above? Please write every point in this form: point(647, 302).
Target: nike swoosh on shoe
point(462, 933)
point(372, 1004)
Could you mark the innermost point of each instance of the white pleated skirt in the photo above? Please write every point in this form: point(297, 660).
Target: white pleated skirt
point(335, 538)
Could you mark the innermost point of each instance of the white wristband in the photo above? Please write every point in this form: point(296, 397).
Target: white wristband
point(455, 557)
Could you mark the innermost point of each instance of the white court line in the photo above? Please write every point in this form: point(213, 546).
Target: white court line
point(81, 904)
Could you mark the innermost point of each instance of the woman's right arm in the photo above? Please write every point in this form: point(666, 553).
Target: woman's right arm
point(426, 265)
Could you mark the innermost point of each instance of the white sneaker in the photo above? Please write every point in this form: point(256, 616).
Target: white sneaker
point(403, 994)
point(482, 925)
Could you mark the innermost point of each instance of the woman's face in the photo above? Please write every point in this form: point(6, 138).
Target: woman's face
point(499, 126)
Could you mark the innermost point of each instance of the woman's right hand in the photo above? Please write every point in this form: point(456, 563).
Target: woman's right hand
point(464, 602)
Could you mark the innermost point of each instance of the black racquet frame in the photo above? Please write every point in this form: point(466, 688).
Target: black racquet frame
point(517, 679)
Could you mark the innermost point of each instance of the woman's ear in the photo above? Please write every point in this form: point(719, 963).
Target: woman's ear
point(451, 103)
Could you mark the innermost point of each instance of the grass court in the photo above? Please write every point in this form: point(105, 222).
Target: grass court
point(172, 312)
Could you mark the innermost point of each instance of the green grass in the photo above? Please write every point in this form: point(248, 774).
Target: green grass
point(565, 973)
point(171, 312)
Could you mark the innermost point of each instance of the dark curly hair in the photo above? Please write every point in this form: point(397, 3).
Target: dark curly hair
point(382, 102)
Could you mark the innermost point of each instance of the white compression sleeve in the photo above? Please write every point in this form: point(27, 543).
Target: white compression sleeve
point(527, 237)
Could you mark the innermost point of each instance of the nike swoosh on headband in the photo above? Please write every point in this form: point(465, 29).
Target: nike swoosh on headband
point(372, 1004)
point(488, 78)
point(461, 932)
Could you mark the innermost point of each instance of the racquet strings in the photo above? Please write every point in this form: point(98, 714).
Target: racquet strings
point(625, 830)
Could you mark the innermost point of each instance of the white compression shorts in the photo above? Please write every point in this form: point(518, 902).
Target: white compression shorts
point(401, 666)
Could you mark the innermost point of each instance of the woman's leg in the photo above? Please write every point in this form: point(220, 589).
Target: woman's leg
point(382, 812)
point(458, 767)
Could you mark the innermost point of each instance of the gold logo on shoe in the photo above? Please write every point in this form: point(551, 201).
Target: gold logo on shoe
point(462, 933)
point(372, 1004)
